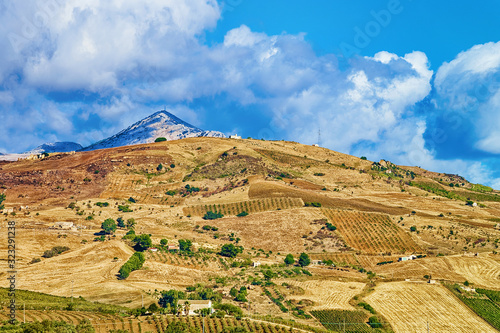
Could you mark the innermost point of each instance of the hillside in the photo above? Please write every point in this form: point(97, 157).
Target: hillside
point(276, 198)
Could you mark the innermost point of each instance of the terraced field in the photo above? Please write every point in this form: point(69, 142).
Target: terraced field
point(410, 307)
point(251, 206)
point(371, 233)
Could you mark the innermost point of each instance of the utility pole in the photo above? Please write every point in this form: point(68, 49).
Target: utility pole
point(428, 326)
point(203, 319)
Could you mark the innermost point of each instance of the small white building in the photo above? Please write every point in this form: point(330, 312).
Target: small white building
point(412, 257)
point(64, 226)
point(256, 263)
point(195, 305)
point(235, 136)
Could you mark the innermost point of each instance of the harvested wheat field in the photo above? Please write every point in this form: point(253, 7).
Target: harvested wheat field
point(326, 294)
point(93, 270)
point(482, 271)
point(410, 307)
point(437, 267)
point(276, 231)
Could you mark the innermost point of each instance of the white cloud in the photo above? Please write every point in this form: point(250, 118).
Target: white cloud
point(468, 87)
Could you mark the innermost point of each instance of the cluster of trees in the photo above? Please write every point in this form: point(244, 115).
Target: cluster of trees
point(135, 262)
point(304, 260)
point(109, 225)
point(239, 295)
point(231, 251)
point(185, 245)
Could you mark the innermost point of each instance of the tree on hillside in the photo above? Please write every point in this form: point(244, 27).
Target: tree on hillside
point(130, 223)
point(2, 199)
point(171, 297)
point(289, 260)
point(185, 245)
point(229, 250)
point(109, 226)
point(121, 222)
point(160, 139)
point(304, 260)
point(142, 242)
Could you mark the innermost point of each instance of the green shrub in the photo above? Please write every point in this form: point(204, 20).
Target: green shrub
point(212, 216)
point(160, 139)
point(135, 262)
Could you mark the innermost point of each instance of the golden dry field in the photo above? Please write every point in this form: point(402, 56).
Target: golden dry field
point(412, 307)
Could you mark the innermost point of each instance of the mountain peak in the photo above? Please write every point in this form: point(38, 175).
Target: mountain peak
point(159, 124)
point(56, 147)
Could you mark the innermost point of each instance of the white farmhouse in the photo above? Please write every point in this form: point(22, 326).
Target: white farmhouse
point(195, 305)
point(412, 257)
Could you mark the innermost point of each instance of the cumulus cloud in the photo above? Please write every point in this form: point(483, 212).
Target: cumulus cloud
point(468, 89)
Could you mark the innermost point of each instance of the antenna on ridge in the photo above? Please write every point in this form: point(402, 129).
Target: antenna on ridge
point(319, 136)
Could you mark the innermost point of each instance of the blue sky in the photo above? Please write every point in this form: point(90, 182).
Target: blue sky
point(414, 82)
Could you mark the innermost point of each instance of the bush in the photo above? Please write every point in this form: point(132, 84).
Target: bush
point(313, 204)
point(131, 200)
point(35, 260)
point(55, 251)
point(330, 226)
point(102, 204)
point(413, 228)
point(212, 216)
point(160, 139)
point(289, 260)
point(243, 213)
point(373, 322)
point(124, 208)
